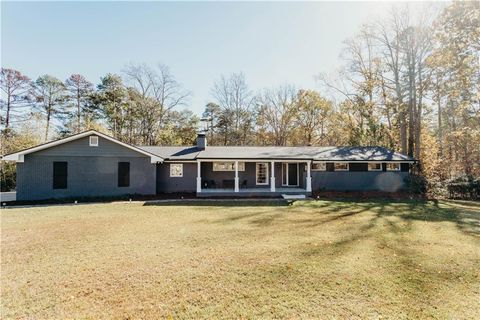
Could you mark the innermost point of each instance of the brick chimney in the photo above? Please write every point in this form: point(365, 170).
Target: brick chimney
point(201, 140)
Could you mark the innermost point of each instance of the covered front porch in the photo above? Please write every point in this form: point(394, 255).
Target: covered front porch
point(260, 177)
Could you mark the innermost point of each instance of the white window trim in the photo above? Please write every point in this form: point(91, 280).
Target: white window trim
point(241, 166)
point(397, 163)
point(90, 141)
point(324, 166)
point(368, 166)
point(181, 173)
point(335, 169)
point(266, 175)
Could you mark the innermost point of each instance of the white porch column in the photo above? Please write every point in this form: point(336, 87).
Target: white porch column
point(199, 178)
point(308, 186)
point(272, 178)
point(237, 189)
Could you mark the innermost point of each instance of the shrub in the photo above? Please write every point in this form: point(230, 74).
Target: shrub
point(416, 183)
point(464, 187)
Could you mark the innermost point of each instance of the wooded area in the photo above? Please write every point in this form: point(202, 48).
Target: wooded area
point(410, 82)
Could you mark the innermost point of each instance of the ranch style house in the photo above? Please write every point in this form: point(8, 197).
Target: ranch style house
point(93, 164)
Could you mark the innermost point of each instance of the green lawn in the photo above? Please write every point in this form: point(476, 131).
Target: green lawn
point(318, 259)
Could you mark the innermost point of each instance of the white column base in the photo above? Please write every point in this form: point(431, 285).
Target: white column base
point(199, 184)
point(237, 181)
point(272, 184)
point(309, 184)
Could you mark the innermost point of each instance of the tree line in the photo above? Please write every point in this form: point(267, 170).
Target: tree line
point(136, 107)
point(409, 82)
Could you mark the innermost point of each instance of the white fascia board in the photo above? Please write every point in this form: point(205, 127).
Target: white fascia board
point(19, 156)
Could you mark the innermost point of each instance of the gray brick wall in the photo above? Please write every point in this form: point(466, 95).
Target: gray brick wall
point(92, 171)
point(187, 183)
point(87, 177)
point(358, 181)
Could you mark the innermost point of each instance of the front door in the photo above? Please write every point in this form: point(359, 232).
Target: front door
point(290, 174)
point(293, 174)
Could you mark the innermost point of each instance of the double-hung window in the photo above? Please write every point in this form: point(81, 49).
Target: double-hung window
point(374, 166)
point(176, 170)
point(261, 173)
point(393, 166)
point(341, 166)
point(319, 166)
point(228, 166)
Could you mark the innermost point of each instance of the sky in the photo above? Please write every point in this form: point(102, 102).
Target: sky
point(272, 43)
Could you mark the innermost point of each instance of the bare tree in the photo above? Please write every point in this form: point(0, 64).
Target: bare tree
point(16, 95)
point(388, 34)
point(160, 92)
point(235, 99)
point(276, 113)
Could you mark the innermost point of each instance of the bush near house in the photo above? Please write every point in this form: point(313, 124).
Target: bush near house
point(464, 187)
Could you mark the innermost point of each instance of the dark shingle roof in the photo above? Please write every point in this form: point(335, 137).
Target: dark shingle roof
point(294, 153)
point(257, 153)
point(173, 153)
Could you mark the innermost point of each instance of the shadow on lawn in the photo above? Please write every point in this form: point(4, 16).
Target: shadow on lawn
point(394, 219)
point(466, 218)
point(357, 236)
point(464, 215)
point(387, 226)
point(220, 203)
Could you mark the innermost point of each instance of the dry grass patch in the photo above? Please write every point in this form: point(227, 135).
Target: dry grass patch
point(328, 259)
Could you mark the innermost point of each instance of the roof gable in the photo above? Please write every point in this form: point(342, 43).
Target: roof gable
point(59, 147)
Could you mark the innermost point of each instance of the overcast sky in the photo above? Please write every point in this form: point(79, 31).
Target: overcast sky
point(271, 43)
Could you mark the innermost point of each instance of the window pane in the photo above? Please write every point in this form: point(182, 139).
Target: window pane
point(262, 173)
point(228, 166)
point(374, 166)
point(176, 170)
point(393, 166)
point(124, 174)
point(322, 166)
point(93, 141)
point(60, 173)
point(241, 166)
point(341, 166)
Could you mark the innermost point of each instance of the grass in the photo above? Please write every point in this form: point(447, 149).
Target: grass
point(318, 259)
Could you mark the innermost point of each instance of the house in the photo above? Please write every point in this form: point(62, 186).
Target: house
point(92, 164)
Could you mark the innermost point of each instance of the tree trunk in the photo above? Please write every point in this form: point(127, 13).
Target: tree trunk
point(418, 118)
point(411, 107)
point(78, 110)
point(439, 120)
point(7, 117)
point(49, 113)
